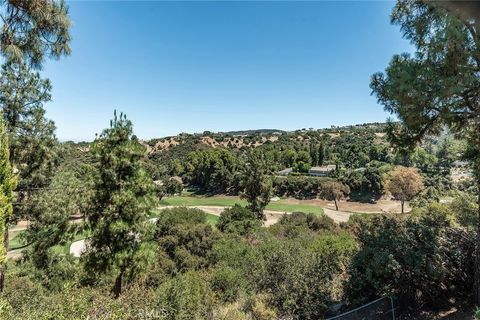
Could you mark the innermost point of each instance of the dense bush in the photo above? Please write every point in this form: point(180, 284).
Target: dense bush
point(465, 209)
point(300, 224)
point(185, 297)
point(24, 299)
point(184, 239)
point(238, 220)
point(424, 259)
point(304, 276)
point(299, 187)
point(212, 170)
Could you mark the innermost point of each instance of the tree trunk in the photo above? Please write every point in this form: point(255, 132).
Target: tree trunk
point(336, 204)
point(4, 267)
point(117, 289)
point(403, 203)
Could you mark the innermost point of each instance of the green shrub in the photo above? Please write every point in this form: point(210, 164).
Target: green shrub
point(301, 224)
point(184, 239)
point(185, 297)
point(228, 283)
point(303, 275)
point(423, 260)
point(238, 220)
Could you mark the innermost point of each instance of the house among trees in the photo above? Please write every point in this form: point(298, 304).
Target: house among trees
point(324, 171)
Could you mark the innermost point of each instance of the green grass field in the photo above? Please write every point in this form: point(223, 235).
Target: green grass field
point(212, 219)
point(280, 205)
point(15, 240)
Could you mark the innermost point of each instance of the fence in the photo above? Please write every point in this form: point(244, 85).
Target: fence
point(380, 309)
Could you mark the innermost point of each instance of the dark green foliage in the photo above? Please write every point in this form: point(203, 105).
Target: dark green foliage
point(123, 198)
point(299, 187)
point(367, 181)
point(256, 186)
point(229, 283)
point(212, 170)
point(300, 224)
point(24, 299)
point(301, 167)
point(238, 220)
point(185, 239)
point(437, 87)
point(7, 185)
point(32, 136)
point(181, 215)
point(68, 195)
point(33, 29)
point(168, 187)
point(185, 297)
point(302, 275)
point(420, 260)
point(465, 209)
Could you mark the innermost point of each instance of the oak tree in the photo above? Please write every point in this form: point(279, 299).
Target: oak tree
point(404, 184)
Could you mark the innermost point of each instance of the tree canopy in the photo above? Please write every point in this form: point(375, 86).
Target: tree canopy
point(33, 29)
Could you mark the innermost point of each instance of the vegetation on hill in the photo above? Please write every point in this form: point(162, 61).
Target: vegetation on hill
point(141, 261)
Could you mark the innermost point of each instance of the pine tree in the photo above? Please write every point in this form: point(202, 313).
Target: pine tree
point(256, 185)
point(321, 154)
point(314, 154)
point(31, 135)
point(7, 184)
point(33, 29)
point(437, 87)
point(123, 198)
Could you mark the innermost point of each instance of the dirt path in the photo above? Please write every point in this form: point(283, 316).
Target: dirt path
point(382, 205)
point(337, 216)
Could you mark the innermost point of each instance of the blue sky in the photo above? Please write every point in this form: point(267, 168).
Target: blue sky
point(192, 66)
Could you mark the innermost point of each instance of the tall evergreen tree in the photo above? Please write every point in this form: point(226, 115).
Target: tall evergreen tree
point(437, 87)
point(33, 29)
point(7, 184)
point(321, 154)
point(32, 136)
point(314, 154)
point(123, 197)
point(68, 194)
point(256, 184)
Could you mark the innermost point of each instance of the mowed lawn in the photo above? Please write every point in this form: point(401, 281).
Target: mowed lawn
point(280, 205)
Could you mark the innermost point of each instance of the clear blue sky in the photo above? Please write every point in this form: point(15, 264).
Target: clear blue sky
point(192, 66)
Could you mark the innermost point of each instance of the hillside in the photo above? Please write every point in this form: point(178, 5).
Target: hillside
point(237, 140)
